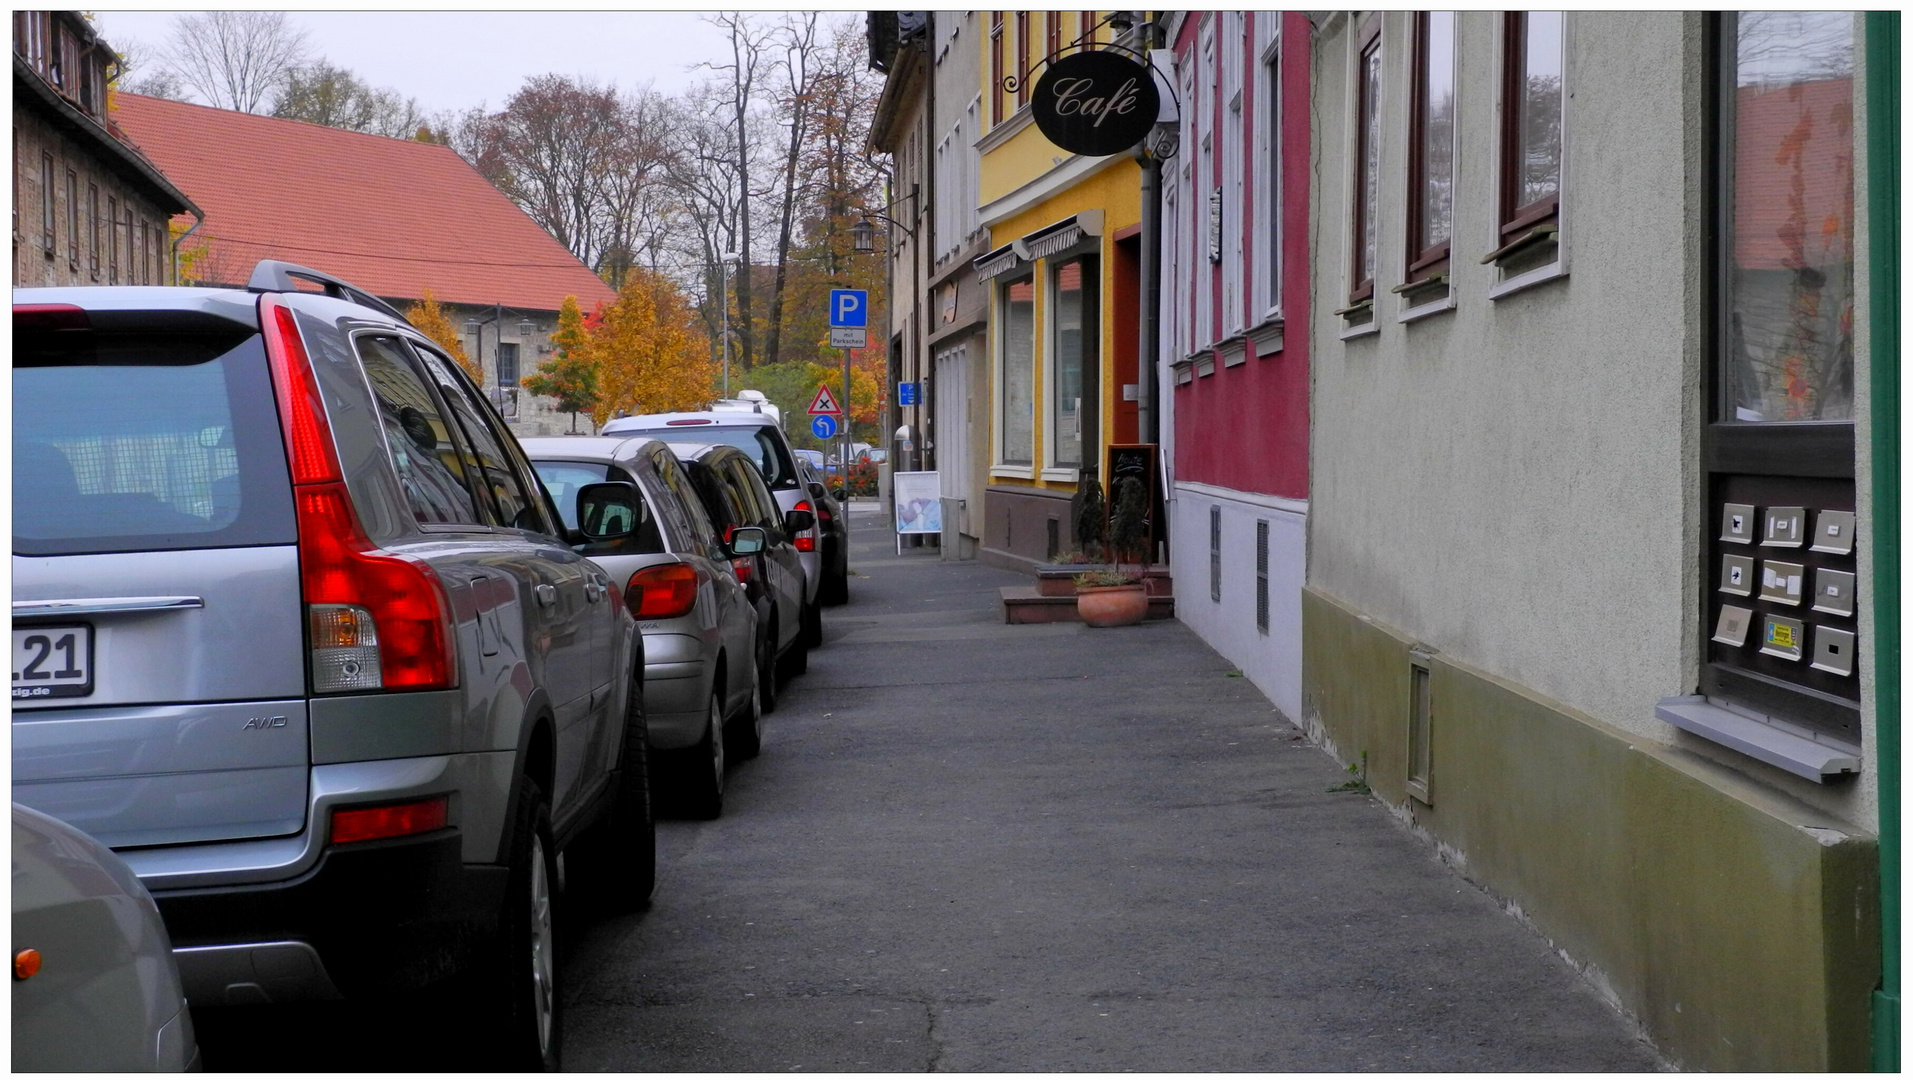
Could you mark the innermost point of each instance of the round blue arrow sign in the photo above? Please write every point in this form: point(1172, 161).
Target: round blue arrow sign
point(824, 426)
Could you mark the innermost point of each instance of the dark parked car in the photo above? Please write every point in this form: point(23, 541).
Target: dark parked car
point(298, 632)
point(734, 497)
point(833, 526)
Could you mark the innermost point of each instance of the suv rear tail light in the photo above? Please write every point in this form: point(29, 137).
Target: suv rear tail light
point(50, 317)
point(353, 824)
point(374, 620)
point(806, 540)
point(687, 423)
point(742, 566)
point(662, 592)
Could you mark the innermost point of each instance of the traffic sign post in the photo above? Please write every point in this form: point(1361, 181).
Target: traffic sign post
point(849, 318)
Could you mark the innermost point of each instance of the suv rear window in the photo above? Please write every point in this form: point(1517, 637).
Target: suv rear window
point(145, 442)
point(759, 443)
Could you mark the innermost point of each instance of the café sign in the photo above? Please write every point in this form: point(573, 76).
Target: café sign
point(1095, 103)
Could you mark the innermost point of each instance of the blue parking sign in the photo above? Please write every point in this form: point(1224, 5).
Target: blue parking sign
point(849, 307)
point(824, 426)
point(907, 393)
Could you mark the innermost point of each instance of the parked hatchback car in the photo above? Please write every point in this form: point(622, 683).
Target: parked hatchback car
point(757, 435)
point(734, 497)
point(298, 632)
point(833, 526)
point(95, 988)
point(706, 661)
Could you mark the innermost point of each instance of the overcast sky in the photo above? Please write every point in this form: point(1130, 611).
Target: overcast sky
point(457, 59)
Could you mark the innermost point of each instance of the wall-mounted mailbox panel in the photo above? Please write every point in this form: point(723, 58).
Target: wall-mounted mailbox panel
point(1833, 650)
point(1833, 592)
point(1786, 526)
point(1833, 531)
point(1782, 582)
point(1783, 637)
point(1733, 624)
point(1737, 575)
point(1737, 523)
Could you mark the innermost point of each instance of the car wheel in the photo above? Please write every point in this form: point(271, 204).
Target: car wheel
point(835, 588)
point(522, 1016)
point(767, 670)
point(746, 731)
point(621, 855)
point(705, 775)
point(813, 622)
point(795, 661)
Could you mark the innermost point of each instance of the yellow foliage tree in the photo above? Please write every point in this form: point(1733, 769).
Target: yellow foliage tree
point(648, 351)
point(431, 319)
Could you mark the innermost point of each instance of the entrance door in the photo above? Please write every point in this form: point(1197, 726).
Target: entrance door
point(952, 405)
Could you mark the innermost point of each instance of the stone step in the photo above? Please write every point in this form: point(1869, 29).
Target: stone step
point(1029, 604)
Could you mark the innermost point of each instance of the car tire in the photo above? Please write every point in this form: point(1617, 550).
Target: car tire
point(795, 661)
point(835, 588)
point(518, 1006)
point(704, 772)
point(812, 621)
point(767, 670)
point(746, 730)
point(621, 852)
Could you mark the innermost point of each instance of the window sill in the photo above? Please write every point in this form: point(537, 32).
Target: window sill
point(1183, 371)
point(1062, 476)
point(1206, 364)
point(1235, 351)
point(1267, 338)
point(1431, 303)
point(1540, 275)
point(1818, 759)
point(1005, 131)
point(1012, 472)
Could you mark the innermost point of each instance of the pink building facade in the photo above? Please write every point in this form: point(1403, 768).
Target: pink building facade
point(1235, 338)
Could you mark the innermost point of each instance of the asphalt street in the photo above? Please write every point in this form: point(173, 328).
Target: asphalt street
point(970, 846)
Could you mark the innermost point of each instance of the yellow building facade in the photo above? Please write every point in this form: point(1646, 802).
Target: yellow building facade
point(1062, 274)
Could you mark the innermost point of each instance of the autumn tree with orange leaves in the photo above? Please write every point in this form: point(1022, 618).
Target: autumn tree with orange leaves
point(429, 317)
point(648, 352)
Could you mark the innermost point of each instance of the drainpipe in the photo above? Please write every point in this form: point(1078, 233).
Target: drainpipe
point(1883, 258)
point(1148, 425)
point(198, 220)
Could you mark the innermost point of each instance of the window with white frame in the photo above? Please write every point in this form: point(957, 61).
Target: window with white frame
point(1233, 44)
point(1016, 372)
point(1206, 188)
point(1073, 349)
point(956, 164)
point(1265, 274)
point(1192, 207)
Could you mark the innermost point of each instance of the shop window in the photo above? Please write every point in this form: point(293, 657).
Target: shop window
point(1017, 372)
point(1074, 356)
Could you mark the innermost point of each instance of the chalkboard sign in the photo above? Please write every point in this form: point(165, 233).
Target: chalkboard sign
point(1137, 460)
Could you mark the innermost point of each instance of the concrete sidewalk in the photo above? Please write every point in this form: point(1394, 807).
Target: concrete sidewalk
point(977, 847)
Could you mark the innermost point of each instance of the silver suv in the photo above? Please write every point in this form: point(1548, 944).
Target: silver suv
point(298, 632)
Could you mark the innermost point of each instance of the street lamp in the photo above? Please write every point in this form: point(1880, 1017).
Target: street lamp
point(724, 305)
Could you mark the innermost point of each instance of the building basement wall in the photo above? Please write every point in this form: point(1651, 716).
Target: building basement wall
point(1272, 661)
point(1738, 926)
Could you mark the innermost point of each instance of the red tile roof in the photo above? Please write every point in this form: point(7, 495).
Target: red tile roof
point(392, 216)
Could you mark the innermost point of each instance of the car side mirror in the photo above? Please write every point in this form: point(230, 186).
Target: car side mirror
point(609, 510)
point(797, 521)
point(816, 490)
point(839, 493)
point(748, 540)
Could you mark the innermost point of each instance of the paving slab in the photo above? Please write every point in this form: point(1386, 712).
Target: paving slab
point(971, 846)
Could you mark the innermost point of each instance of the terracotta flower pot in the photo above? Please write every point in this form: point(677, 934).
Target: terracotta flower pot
point(1112, 605)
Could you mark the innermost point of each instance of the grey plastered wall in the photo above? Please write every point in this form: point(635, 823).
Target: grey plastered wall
point(1533, 509)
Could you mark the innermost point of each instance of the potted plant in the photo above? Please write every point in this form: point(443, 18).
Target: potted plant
point(1115, 597)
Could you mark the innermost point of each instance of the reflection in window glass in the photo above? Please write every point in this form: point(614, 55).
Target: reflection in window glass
point(1437, 147)
point(1019, 374)
point(1371, 156)
point(1075, 307)
point(1538, 127)
point(488, 464)
point(1790, 287)
point(423, 454)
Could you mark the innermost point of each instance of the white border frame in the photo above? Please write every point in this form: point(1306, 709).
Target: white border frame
point(999, 365)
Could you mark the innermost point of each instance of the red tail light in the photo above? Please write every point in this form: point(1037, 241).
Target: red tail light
point(806, 540)
point(375, 620)
point(50, 317)
point(357, 823)
point(662, 592)
point(742, 565)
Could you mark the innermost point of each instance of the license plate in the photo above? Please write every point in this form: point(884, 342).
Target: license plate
point(52, 662)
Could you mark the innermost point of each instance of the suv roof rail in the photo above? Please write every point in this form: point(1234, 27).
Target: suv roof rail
point(271, 275)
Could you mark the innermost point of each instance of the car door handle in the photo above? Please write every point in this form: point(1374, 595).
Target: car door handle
point(593, 591)
point(547, 594)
